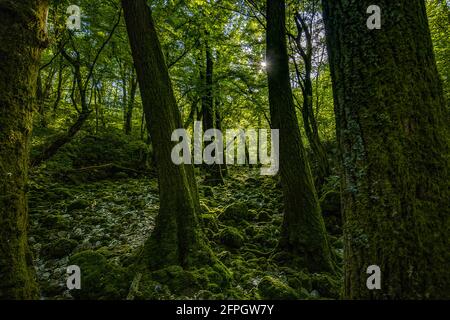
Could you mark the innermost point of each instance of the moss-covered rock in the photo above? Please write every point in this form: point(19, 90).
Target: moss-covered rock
point(231, 237)
point(100, 280)
point(60, 248)
point(208, 191)
point(174, 281)
point(326, 285)
point(298, 280)
point(180, 281)
point(235, 213)
point(78, 204)
point(264, 216)
point(209, 221)
point(274, 289)
point(148, 289)
point(52, 221)
point(253, 182)
point(219, 274)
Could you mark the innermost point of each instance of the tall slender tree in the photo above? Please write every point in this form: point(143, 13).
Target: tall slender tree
point(215, 171)
point(304, 46)
point(128, 114)
point(177, 238)
point(23, 36)
point(393, 140)
point(303, 230)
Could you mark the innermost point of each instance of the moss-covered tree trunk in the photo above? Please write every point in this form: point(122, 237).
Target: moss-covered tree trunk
point(392, 133)
point(22, 38)
point(128, 123)
point(304, 45)
point(303, 230)
point(177, 238)
point(214, 171)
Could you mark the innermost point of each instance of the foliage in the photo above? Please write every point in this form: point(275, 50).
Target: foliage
point(96, 200)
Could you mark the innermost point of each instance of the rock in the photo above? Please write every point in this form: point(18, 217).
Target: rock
point(51, 221)
point(209, 221)
point(52, 288)
point(253, 182)
point(62, 247)
point(314, 294)
point(63, 193)
point(205, 295)
point(179, 281)
point(100, 280)
point(271, 288)
point(264, 216)
point(78, 204)
point(208, 192)
point(231, 237)
point(235, 212)
point(326, 285)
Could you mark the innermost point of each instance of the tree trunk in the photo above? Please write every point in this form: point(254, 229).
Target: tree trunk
point(64, 138)
point(130, 105)
point(390, 114)
point(60, 141)
point(40, 99)
point(304, 45)
point(192, 114)
point(214, 171)
point(59, 88)
point(303, 232)
point(217, 108)
point(177, 238)
point(23, 36)
point(124, 95)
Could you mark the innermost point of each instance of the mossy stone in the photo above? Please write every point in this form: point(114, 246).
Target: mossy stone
point(264, 216)
point(180, 281)
point(235, 212)
point(209, 220)
point(100, 280)
point(208, 191)
point(51, 221)
point(78, 204)
point(60, 248)
point(231, 237)
point(327, 285)
point(273, 289)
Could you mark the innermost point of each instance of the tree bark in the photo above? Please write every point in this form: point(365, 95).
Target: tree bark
point(304, 45)
point(303, 231)
point(23, 36)
point(60, 85)
point(214, 171)
point(130, 105)
point(390, 115)
point(177, 238)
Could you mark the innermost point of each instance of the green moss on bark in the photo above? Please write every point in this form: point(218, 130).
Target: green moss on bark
point(22, 37)
point(177, 238)
point(393, 140)
point(303, 231)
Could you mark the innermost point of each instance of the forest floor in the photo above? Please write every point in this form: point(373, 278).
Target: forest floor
point(100, 221)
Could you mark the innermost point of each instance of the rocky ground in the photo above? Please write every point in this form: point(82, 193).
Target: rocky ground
point(102, 224)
